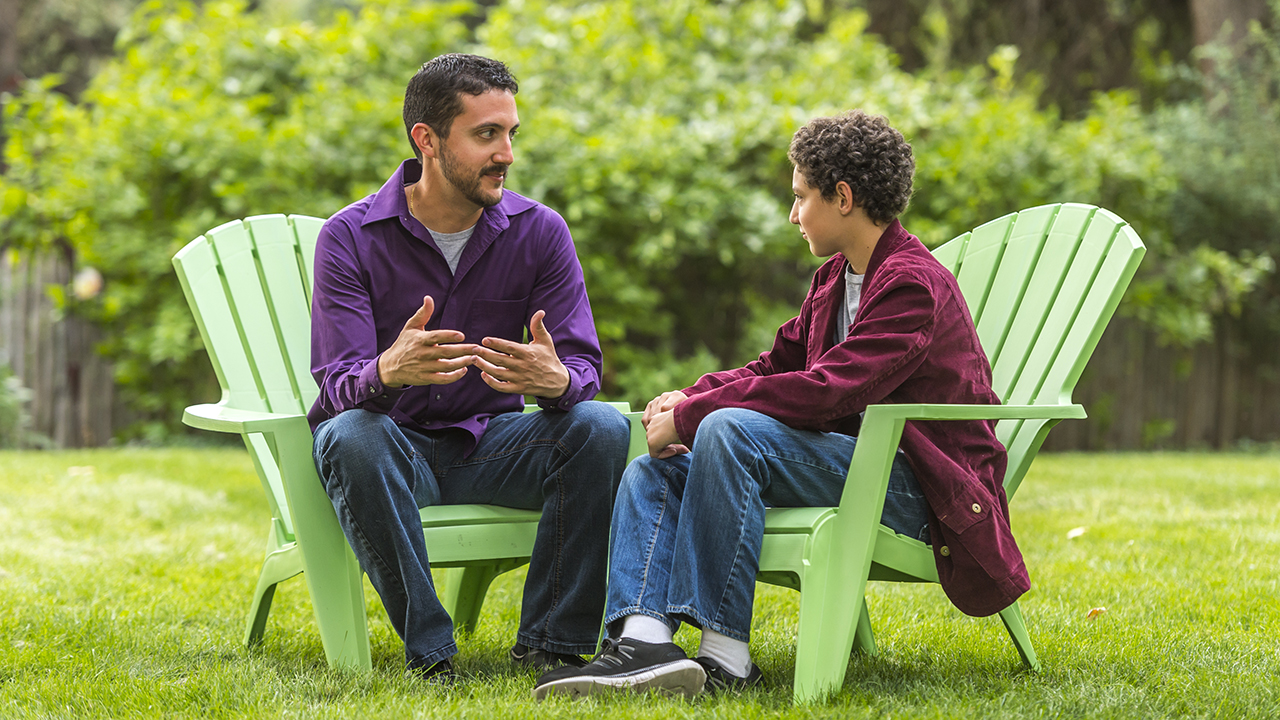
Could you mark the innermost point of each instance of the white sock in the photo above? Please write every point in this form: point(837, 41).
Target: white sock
point(733, 655)
point(645, 629)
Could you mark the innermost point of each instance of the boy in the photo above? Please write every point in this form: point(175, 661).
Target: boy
point(884, 322)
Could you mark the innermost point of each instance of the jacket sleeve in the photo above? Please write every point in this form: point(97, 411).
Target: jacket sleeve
point(344, 342)
point(885, 346)
point(562, 293)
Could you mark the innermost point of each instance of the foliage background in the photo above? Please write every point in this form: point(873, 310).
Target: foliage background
point(658, 129)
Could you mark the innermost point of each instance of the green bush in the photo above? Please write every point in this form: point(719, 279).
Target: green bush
point(658, 129)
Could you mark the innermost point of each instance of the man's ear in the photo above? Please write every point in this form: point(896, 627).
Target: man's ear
point(426, 139)
point(844, 194)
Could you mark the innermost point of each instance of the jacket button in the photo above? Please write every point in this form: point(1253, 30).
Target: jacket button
point(944, 551)
point(977, 508)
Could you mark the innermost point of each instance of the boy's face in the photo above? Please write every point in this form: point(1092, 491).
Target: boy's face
point(821, 222)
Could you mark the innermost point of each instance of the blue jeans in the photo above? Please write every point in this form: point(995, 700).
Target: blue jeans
point(688, 530)
point(566, 464)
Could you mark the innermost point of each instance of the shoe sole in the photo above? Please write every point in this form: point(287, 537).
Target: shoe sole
point(683, 677)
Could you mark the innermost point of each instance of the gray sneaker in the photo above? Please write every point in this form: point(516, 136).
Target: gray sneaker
point(627, 664)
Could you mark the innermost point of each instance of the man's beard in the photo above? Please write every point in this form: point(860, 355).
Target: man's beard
point(470, 187)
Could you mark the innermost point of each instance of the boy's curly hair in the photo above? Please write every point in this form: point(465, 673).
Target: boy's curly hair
point(862, 150)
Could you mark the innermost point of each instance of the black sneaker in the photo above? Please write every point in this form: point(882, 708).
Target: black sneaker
point(720, 680)
point(441, 673)
point(627, 664)
point(526, 657)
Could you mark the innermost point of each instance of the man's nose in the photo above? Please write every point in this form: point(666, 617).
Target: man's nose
point(505, 154)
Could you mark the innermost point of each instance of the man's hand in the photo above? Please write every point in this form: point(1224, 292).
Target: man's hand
point(418, 357)
point(520, 369)
point(660, 433)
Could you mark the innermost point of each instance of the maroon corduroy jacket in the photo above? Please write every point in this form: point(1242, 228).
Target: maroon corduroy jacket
point(912, 341)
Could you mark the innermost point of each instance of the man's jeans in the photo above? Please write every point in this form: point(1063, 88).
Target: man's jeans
point(688, 529)
point(566, 464)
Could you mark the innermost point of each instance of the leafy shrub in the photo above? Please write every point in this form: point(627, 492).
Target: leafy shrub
point(658, 129)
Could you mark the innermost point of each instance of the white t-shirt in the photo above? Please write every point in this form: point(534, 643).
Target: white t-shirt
point(847, 311)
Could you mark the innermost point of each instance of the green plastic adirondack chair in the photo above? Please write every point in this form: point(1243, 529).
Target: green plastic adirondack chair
point(1041, 285)
point(248, 283)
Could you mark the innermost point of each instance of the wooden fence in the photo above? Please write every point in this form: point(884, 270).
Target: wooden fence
point(73, 403)
point(1142, 395)
point(1139, 395)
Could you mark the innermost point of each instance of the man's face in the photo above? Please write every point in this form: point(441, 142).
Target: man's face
point(819, 219)
point(478, 152)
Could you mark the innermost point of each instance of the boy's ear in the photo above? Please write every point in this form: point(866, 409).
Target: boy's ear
point(844, 195)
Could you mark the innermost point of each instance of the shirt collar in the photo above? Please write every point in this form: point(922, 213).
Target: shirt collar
point(389, 201)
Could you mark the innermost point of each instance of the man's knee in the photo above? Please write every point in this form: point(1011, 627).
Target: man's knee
point(355, 431)
point(601, 426)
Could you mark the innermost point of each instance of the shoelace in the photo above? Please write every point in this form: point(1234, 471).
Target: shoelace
point(609, 651)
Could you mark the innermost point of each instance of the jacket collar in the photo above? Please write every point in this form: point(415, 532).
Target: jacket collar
point(890, 240)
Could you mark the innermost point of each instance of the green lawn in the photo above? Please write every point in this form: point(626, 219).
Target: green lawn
point(125, 576)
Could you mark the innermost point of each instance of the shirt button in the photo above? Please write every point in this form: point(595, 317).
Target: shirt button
point(977, 508)
point(372, 389)
point(438, 396)
point(944, 551)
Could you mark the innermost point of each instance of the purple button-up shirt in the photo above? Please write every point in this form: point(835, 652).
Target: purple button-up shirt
point(912, 341)
point(373, 265)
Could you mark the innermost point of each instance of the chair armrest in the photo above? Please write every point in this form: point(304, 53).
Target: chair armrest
point(220, 418)
point(924, 411)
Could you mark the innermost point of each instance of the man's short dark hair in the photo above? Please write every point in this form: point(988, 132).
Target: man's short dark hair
point(862, 150)
point(434, 95)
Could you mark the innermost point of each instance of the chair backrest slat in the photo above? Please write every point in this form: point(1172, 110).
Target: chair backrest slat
point(280, 263)
point(980, 259)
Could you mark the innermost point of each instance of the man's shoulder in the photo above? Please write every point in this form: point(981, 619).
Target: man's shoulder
point(346, 223)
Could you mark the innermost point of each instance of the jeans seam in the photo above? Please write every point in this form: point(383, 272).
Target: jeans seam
point(373, 553)
point(477, 460)
point(653, 540)
point(737, 555)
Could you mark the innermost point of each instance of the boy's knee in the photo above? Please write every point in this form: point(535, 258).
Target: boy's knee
point(725, 423)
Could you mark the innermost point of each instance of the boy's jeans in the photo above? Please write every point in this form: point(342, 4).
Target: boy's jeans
point(688, 529)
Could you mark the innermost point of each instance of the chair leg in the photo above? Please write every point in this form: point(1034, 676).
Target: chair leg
point(464, 593)
point(333, 576)
point(824, 638)
point(863, 638)
point(1013, 622)
point(276, 568)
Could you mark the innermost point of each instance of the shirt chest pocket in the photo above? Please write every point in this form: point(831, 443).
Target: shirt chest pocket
point(496, 318)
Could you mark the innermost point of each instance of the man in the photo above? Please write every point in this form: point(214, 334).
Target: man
point(884, 322)
point(422, 294)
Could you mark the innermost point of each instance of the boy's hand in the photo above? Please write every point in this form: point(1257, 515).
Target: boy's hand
point(663, 440)
point(663, 403)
